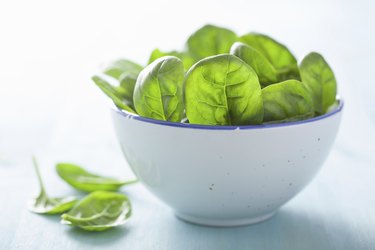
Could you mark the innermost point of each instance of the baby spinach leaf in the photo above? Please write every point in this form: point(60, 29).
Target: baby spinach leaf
point(320, 80)
point(158, 91)
point(43, 204)
point(126, 88)
point(99, 211)
point(287, 101)
point(266, 72)
point(223, 90)
point(117, 68)
point(126, 72)
point(214, 94)
point(210, 40)
point(82, 180)
point(185, 57)
point(114, 93)
point(276, 53)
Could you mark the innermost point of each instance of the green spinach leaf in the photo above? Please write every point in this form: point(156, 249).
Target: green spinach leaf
point(117, 68)
point(276, 53)
point(82, 180)
point(214, 91)
point(99, 211)
point(266, 72)
point(223, 90)
point(43, 204)
point(287, 101)
point(185, 57)
point(126, 88)
point(210, 40)
point(158, 91)
point(320, 80)
point(114, 93)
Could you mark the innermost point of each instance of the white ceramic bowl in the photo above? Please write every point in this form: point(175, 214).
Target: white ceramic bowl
point(225, 176)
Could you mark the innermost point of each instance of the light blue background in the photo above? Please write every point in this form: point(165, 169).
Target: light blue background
point(49, 107)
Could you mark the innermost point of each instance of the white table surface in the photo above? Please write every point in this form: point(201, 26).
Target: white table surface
point(49, 107)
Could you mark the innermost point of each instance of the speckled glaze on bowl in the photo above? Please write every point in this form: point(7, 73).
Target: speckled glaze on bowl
point(225, 175)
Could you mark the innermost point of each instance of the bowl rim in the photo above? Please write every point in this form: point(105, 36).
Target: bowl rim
point(130, 115)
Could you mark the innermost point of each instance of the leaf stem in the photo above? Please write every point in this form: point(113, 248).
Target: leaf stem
point(39, 176)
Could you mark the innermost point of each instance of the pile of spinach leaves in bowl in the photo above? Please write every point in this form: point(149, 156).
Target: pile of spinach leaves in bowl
point(223, 79)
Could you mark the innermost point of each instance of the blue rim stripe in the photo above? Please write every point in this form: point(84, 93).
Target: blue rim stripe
point(211, 127)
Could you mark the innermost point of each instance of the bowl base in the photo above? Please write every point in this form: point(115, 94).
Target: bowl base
point(224, 222)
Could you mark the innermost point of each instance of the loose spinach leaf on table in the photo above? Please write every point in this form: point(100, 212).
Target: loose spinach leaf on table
point(320, 80)
point(276, 53)
point(99, 211)
point(82, 180)
point(266, 72)
point(223, 90)
point(43, 204)
point(287, 101)
point(117, 68)
point(158, 91)
point(184, 56)
point(112, 92)
point(210, 40)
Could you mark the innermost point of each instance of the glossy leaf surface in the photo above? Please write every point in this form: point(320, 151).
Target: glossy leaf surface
point(223, 90)
point(158, 91)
